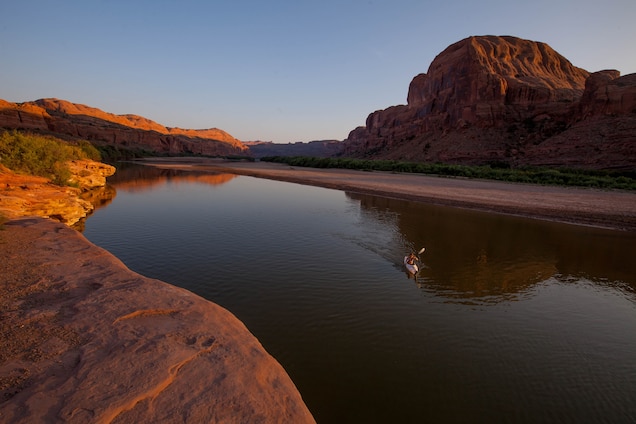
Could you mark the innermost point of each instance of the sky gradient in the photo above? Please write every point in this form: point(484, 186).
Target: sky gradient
point(281, 71)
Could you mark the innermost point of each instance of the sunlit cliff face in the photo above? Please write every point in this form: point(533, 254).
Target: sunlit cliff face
point(131, 131)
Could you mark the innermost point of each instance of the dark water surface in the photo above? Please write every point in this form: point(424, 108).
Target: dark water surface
point(512, 320)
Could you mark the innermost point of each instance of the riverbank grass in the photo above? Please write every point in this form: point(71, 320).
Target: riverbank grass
point(621, 180)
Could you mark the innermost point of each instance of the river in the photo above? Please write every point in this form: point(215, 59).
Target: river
point(510, 320)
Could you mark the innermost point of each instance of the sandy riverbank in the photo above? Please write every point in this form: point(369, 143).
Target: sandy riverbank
point(607, 209)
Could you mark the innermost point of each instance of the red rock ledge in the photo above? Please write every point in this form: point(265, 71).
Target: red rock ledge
point(85, 340)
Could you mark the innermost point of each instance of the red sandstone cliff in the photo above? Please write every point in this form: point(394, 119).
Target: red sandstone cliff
point(504, 99)
point(131, 131)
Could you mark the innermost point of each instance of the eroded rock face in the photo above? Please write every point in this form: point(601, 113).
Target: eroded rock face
point(89, 174)
point(86, 340)
point(23, 195)
point(481, 80)
point(607, 93)
point(497, 99)
point(130, 131)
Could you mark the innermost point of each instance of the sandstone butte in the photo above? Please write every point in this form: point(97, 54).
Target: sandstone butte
point(505, 100)
point(86, 340)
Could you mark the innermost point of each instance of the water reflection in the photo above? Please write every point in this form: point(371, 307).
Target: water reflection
point(98, 197)
point(488, 258)
point(134, 178)
point(318, 277)
point(137, 178)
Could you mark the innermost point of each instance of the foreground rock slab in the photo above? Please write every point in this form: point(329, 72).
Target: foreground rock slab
point(84, 339)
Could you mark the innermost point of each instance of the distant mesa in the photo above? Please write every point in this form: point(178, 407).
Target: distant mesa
point(72, 120)
point(505, 100)
point(317, 148)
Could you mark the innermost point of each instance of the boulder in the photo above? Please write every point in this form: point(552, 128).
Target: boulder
point(89, 174)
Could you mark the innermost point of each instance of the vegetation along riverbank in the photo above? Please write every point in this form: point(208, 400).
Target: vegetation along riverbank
point(614, 209)
point(622, 180)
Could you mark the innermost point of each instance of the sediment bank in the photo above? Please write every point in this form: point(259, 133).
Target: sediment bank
point(599, 208)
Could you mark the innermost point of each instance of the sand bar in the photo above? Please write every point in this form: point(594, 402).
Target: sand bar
point(613, 209)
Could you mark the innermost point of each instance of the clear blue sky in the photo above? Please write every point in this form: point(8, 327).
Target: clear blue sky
point(281, 71)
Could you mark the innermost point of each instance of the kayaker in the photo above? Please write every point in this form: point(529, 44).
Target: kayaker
point(411, 259)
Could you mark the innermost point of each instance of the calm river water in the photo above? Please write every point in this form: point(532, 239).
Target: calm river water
point(512, 320)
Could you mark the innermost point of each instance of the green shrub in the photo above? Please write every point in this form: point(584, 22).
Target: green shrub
point(91, 152)
point(495, 171)
point(43, 156)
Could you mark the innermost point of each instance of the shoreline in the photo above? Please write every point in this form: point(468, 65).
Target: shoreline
point(614, 210)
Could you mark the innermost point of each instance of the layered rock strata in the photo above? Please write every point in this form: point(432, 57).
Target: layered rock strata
point(74, 120)
point(86, 340)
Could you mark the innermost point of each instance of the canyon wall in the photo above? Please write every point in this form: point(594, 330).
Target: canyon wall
point(506, 100)
point(66, 119)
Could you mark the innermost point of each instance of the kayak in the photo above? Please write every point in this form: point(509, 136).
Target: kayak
point(412, 268)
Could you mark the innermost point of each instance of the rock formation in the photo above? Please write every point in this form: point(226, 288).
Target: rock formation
point(23, 195)
point(506, 100)
point(68, 119)
point(88, 174)
point(86, 340)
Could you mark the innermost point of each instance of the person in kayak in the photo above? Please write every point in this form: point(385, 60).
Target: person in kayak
point(411, 259)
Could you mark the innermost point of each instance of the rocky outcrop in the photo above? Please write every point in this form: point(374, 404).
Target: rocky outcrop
point(607, 93)
point(504, 99)
point(86, 340)
point(88, 174)
point(24, 195)
point(68, 119)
